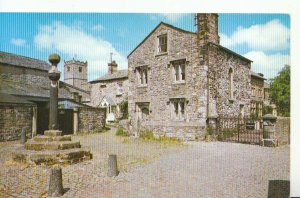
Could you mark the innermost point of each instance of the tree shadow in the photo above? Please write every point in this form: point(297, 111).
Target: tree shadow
point(279, 189)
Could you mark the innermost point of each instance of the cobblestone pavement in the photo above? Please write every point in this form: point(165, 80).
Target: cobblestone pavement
point(153, 169)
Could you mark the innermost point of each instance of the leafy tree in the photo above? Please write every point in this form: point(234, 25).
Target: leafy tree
point(280, 91)
point(124, 109)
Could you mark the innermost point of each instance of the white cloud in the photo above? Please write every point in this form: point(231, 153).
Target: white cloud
point(272, 36)
point(269, 65)
point(72, 40)
point(98, 27)
point(18, 42)
point(172, 17)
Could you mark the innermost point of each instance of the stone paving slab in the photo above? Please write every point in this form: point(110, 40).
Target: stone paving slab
point(151, 169)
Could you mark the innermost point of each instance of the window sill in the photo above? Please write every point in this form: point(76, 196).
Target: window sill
point(142, 86)
point(179, 120)
point(161, 54)
point(179, 82)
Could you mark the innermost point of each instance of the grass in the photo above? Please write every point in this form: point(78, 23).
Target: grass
point(149, 136)
point(121, 132)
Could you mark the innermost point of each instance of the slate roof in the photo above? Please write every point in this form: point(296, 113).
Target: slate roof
point(230, 51)
point(257, 75)
point(109, 100)
point(31, 90)
point(22, 61)
point(7, 98)
point(117, 75)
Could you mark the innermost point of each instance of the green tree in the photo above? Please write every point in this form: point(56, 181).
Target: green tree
point(280, 91)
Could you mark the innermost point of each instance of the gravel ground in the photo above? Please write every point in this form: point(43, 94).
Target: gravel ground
point(154, 169)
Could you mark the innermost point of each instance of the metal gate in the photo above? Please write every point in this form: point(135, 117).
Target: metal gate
point(247, 130)
point(65, 121)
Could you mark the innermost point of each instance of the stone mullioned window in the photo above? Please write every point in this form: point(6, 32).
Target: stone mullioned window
point(178, 109)
point(142, 75)
point(162, 43)
point(178, 71)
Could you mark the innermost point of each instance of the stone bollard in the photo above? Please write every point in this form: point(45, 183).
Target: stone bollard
point(23, 136)
point(112, 166)
point(269, 136)
point(55, 183)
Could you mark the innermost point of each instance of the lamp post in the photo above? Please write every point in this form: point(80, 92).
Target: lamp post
point(54, 76)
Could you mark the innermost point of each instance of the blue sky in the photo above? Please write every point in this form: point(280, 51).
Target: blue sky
point(263, 38)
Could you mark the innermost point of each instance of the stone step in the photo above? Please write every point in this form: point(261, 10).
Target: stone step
point(58, 145)
point(53, 133)
point(42, 138)
point(51, 157)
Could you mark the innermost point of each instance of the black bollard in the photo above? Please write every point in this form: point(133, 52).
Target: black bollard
point(23, 136)
point(112, 166)
point(55, 183)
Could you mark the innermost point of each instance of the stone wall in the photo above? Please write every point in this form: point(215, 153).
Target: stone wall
point(161, 86)
point(14, 118)
point(90, 119)
point(220, 61)
point(282, 130)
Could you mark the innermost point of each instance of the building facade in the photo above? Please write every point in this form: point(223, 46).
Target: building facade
point(181, 81)
point(257, 94)
point(110, 90)
point(25, 93)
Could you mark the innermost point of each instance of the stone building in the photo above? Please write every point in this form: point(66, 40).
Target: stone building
point(181, 81)
point(25, 82)
point(75, 74)
point(110, 90)
point(257, 94)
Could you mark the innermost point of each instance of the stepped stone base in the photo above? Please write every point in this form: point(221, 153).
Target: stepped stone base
point(50, 149)
point(46, 157)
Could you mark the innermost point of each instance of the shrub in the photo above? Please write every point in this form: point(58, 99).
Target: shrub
point(124, 109)
point(121, 132)
point(267, 110)
point(227, 133)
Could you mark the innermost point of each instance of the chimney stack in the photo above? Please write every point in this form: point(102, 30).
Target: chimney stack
point(207, 28)
point(112, 67)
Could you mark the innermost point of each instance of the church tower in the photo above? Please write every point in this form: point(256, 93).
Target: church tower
point(75, 73)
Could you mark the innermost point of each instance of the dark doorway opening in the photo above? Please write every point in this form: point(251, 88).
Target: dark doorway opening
point(65, 121)
point(42, 117)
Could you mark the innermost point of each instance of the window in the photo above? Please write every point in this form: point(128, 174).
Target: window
point(253, 91)
point(120, 89)
point(80, 69)
point(231, 83)
point(162, 44)
point(178, 109)
point(68, 69)
point(179, 71)
point(242, 111)
point(142, 75)
point(143, 111)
